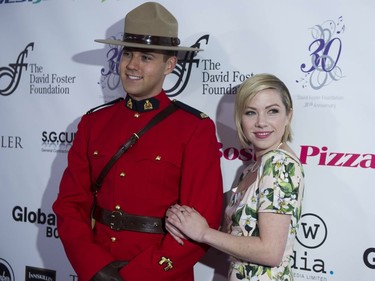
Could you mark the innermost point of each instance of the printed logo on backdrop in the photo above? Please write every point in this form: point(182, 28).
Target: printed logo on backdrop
point(369, 258)
point(10, 75)
point(20, 1)
point(6, 271)
point(324, 68)
point(10, 142)
point(36, 217)
point(312, 234)
point(57, 142)
point(323, 156)
point(217, 81)
point(48, 83)
point(73, 277)
point(110, 76)
point(41, 82)
point(36, 274)
point(234, 153)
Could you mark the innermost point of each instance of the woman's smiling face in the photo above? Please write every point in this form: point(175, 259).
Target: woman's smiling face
point(264, 120)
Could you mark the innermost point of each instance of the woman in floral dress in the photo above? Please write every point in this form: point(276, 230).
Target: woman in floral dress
point(265, 208)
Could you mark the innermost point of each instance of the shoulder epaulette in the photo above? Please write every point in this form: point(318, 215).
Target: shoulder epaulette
point(190, 109)
point(104, 105)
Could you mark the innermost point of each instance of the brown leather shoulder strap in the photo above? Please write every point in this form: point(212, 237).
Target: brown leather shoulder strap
point(130, 142)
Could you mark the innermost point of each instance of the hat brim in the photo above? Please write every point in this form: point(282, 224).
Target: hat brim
point(145, 46)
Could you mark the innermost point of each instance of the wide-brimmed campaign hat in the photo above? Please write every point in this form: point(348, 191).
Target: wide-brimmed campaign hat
point(150, 26)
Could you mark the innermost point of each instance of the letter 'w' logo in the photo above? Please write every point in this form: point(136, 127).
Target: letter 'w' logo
point(309, 231)
point(312, 232)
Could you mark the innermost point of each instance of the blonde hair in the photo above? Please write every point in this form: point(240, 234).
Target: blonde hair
point(248, 89)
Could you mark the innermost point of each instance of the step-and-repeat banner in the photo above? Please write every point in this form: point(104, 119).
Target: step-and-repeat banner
point(52, 72)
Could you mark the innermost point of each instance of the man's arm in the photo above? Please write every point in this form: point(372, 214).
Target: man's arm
point(73, 208)
point(201, 188)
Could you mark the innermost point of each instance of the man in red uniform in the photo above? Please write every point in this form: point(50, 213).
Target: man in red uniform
point(176, 161)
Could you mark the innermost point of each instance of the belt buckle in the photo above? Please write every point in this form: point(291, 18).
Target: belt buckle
point(116, 218)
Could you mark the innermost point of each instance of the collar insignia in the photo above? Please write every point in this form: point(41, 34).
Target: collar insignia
point(147, 105)
point(142, 105)
point(129, 104)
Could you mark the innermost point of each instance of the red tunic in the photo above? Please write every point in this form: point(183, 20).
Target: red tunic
point(177, 161)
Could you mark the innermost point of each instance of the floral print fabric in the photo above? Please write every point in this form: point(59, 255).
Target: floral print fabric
point(278, 188)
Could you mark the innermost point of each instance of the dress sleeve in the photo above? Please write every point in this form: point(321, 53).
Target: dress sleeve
point(279, 185)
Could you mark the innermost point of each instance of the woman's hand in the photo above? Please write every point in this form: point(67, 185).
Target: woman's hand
point(182, 221)
point(173, 230)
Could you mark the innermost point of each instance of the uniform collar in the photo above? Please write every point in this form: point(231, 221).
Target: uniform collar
point(142, 105)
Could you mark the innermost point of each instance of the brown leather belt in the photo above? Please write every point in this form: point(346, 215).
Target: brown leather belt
point(119, 220)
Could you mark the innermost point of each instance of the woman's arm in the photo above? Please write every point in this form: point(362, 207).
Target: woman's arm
point(267, 249)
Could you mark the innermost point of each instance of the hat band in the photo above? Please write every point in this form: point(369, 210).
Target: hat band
point(151, 40)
